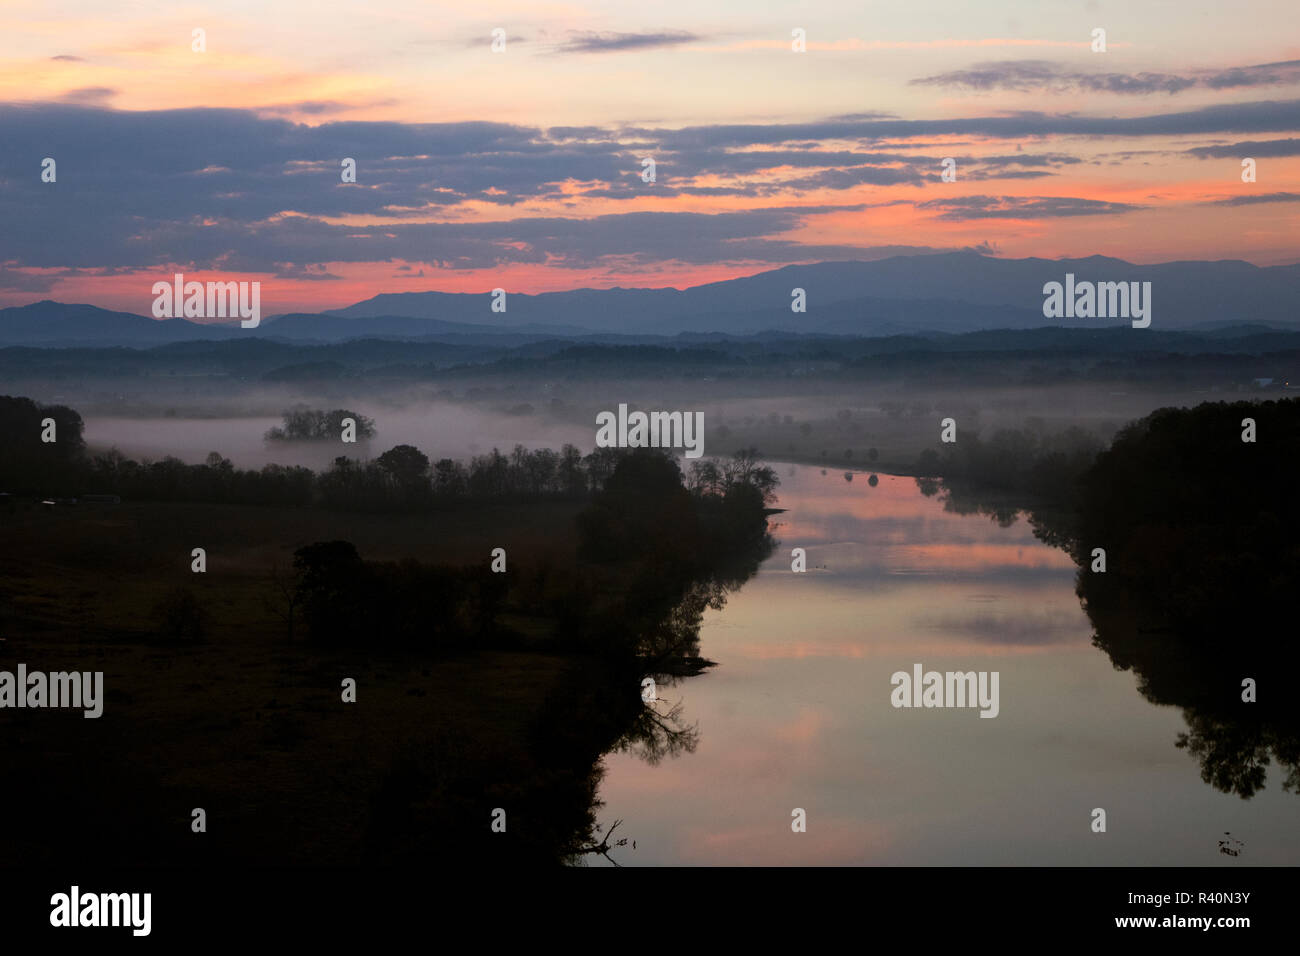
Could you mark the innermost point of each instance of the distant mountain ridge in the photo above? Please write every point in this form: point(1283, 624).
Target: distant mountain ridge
point(904, 295)
point(47, 323)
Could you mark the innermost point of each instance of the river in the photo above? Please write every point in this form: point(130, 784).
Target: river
point(798, 713)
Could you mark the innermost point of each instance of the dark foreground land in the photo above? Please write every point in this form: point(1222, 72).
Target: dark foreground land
point(479, 691)
point(475, 691)
point(245, 722)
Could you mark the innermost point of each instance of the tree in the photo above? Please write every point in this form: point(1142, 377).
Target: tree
point(282, 598)
point(572, 479)
point(331, 589)
point(406, 465)
point(705, 478)
point(449, 477)
point(26, 462)
point(180, 616)
point(745, 469)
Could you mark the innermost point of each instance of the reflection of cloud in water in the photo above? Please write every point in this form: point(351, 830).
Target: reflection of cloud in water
point(1019, 625)
point(830, 842)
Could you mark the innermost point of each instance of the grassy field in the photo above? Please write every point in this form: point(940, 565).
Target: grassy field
point(248, 724)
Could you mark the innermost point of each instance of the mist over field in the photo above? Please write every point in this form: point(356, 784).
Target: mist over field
point(440, 429)
point(782, 420)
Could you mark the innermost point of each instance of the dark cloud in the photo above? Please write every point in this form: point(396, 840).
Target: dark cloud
point(1011, 166)
point(980, 175)
point(67, 58)
point(962, 208)
point(1257, 117)
point(92, 224)
point(591, 42)
point(1265, 74)
point(1256, 199)
point(1270, 147)
point(11, 281)
point(856, 176)
point(222, 188)
point(293, 270)
point(1047, 76)
point(1024, 159)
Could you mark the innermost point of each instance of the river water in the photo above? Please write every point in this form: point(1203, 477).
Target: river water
point(798, 712)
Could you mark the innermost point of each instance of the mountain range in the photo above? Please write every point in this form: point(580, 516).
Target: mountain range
point(947, 292)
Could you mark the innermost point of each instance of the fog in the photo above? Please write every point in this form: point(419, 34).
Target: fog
point(440, 430)
point(803, 418)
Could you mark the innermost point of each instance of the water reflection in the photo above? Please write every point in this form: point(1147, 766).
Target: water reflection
point(796, 714)
point(1192, 607)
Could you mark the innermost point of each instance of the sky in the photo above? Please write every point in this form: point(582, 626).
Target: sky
point(522, 167)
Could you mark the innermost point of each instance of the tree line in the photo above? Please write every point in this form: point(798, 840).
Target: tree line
point(401, 478)
point(314, 424)
point(1023, 462)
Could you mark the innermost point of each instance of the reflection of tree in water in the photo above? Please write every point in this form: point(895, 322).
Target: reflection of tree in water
point(1233, 753)
point(1230, 846)
point(661, 555)
point(670, 651)
point(962, 498)
point(657, 733)
point(1201, 533)
point(668, 647)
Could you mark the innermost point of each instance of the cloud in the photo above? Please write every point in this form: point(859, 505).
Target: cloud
point(849, 117)
point(89, 95)
point(1025, 159)
point(183, 165)
point(318, 107)
point(965, 208)
point(68, 58)
point(220, 187)
point(293, 270)
point(1253, 199)
point(980, 175)
point(14, 281)
point(855, 176)
point(1255, 117)
point(103, 219)
point(1045, 76)
point(1265, 74)
point(1036, 627)
point(1271, 147)
point(592, 42)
